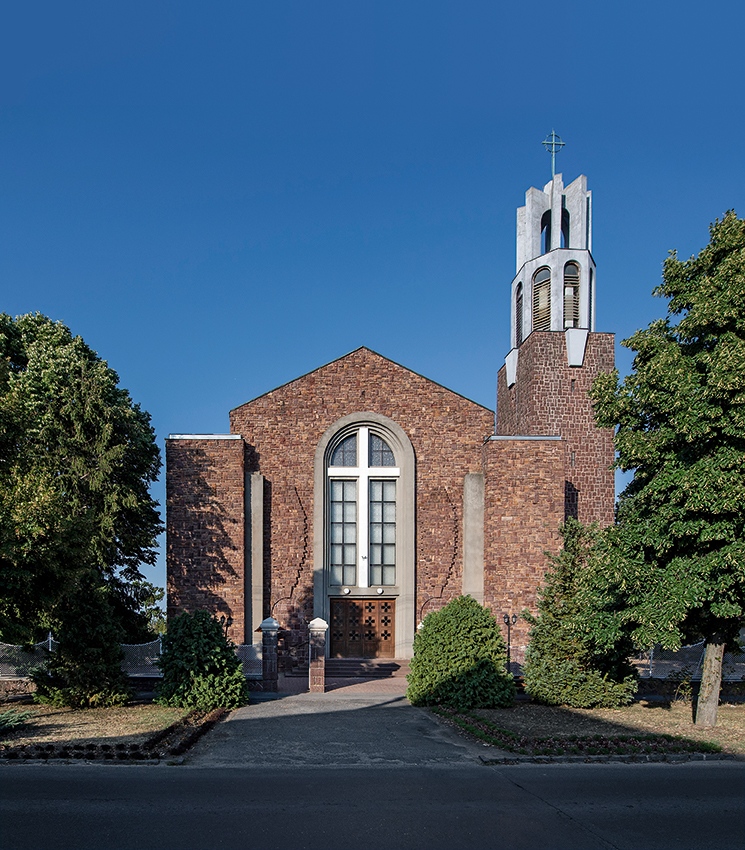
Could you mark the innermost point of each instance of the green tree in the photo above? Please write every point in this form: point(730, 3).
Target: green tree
point(460, 659)
point(680, 536)
point(85, 669)
point(578, 651)
point(77, 457)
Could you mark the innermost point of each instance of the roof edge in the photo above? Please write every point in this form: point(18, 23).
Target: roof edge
point(348, 354)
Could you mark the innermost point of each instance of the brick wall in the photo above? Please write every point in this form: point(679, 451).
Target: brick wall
point(205, 529)
point(282, 430)
point(523, 508)
point(525, 481)
point(550, 397)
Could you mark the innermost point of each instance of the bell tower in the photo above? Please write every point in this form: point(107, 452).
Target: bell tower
point(556, 353)
point(555, 274)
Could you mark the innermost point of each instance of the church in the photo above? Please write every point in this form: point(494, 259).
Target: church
point(368, 495)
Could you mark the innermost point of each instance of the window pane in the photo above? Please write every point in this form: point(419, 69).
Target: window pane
point(343, 532)
point(380, 452)
point(382, 532)
point(345, 454)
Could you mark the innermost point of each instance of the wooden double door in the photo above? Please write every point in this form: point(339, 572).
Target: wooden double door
point(363, 628)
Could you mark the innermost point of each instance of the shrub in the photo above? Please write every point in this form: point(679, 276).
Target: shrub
point(85, 670)
point(460, 659)
point(11, 718)
point(199, 665)
point(576, 655)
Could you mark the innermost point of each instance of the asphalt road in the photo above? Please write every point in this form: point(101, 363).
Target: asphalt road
point(311, 772)
point(640, 807)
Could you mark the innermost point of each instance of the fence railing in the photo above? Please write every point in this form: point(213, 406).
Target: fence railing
point(140, 659)
point(17, 662)
point(688, 661)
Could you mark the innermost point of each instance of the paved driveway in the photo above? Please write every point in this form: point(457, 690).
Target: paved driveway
point(343, 728)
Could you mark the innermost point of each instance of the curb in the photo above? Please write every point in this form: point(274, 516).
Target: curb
point(174, 740)
point(641, 758)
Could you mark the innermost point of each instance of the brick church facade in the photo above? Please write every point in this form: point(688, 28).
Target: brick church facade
point(368, 495)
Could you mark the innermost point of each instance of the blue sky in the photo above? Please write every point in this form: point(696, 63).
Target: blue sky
point(220, 197)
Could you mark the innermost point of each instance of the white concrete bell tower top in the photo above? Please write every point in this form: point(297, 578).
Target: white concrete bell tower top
point(553, 289)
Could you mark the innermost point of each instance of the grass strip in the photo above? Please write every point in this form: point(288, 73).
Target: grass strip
point(572, 745)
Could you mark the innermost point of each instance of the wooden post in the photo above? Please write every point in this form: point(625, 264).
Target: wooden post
point(269, 630)
point(317, 668)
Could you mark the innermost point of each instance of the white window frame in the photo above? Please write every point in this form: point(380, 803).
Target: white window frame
point(363, 473)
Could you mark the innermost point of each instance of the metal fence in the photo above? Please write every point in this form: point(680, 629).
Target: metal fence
point(688, 662)
point(18, 662)
point(140, 659)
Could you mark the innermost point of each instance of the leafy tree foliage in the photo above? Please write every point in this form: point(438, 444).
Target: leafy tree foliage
point(85, 670)
point(680, 538)
point(578, 655)
point(77, 457)
point(460, 659)
point(199, 665)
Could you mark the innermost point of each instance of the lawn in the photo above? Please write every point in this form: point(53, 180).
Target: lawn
point(133, 724)
point(535, 728)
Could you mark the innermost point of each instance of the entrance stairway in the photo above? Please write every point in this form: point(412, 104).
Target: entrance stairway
point(366, 668)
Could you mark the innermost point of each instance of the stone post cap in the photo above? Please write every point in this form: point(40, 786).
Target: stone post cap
point(269, 625)
point(318, 625)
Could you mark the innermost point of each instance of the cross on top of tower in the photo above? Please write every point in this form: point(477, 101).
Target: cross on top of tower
point(553, 144)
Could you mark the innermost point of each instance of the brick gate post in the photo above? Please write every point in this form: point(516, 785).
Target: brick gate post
point(269, 630)
point(317, 668)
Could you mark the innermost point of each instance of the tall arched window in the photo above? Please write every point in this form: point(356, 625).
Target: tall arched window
point(519, 314)
point(542, 300)
point(571, 295)
point(565, 228)
point(364, 529)
point(589, 299)
point(362, 476)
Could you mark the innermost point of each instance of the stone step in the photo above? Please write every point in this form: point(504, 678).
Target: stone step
point(366, 668)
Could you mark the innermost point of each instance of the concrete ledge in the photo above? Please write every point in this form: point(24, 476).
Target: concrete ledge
point(204, 437)
point(494, 437)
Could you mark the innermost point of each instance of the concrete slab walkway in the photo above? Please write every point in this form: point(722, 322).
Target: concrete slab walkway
point(357, 725)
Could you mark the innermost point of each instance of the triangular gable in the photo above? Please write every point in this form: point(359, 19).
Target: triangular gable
point(365, 356)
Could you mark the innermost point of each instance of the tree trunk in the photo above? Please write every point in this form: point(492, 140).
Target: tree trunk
point(711, 682)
